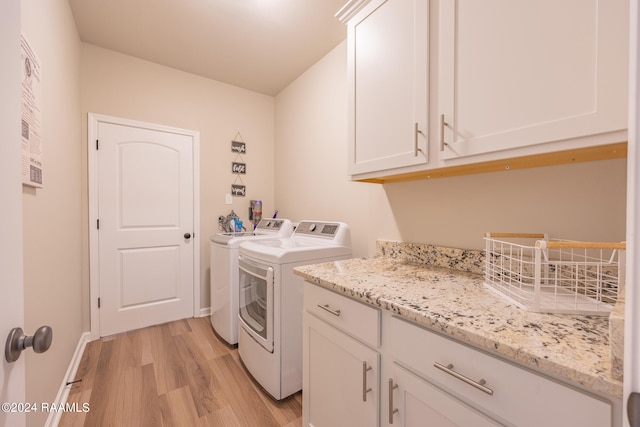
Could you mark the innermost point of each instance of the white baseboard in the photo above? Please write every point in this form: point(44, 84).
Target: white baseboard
point(204, 312)
point(63, 392)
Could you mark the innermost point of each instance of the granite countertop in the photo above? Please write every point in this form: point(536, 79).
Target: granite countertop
point(573, 348)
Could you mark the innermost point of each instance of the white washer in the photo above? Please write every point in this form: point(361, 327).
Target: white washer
point(271, 298)
point(224, 273)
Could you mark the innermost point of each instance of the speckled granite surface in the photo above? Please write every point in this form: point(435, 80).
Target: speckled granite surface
point(437, 256)
point(454, 302)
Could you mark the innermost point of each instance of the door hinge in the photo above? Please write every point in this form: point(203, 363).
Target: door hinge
point(98, 302)
point(97, 145)
point(98, 224)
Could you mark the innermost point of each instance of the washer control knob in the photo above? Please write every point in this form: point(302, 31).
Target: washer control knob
point(312, 227)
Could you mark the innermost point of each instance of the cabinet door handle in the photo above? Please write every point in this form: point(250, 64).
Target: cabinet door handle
point(325, 307)
point(442, 126)
point(416, 148)
point(365, 389)
point(480, 385)
point(392, 410)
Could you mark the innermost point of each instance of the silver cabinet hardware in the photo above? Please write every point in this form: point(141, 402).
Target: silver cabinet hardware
point(416, 148)
point(365, 390)
point(442, 126)
point(392, 410)
point(633, 409)
point(18, 341)
point(480, 385)
point(325, 307)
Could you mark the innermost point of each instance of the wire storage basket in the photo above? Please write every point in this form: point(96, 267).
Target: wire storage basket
point(546, 275)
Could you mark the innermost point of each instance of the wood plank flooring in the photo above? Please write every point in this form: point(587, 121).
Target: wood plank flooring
point(176, 374)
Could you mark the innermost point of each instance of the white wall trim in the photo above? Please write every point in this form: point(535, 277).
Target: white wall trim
point(205, 312)
point(196, 223)
point(92, 170)
point(63, 392)
point(94, 276)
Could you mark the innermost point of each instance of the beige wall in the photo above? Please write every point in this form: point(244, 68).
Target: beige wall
point(122, 86)
point(311, 155)
point(52, 236)
point(582, 201)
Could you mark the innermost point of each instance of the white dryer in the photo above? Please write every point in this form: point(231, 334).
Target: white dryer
point(271, 299)
point(224, 273)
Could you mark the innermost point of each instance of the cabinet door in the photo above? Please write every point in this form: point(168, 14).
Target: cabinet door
point(421, 404)
point(388, 85)
point(520, 73)
point(340, 378)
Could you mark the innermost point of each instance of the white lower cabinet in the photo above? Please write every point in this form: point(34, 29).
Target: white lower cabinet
point(341, 374)
point(363, 366)
point(414, 402)
point(509, 394)
point(341, 378)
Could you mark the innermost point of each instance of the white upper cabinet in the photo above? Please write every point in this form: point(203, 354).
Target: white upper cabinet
point(506, 79)
point(519, 74)
point(388, 84)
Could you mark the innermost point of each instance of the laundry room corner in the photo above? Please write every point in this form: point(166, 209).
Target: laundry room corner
point(311, 151)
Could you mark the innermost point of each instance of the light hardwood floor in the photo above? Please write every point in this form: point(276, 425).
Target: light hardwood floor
point(176, 374)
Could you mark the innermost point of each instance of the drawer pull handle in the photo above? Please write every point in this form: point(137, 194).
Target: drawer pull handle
point(392, 410)
point(480, 385)
point(326, 308)
point(365, 389)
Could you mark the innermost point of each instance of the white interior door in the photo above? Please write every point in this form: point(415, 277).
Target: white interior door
point(146, 225)
point(12, 375)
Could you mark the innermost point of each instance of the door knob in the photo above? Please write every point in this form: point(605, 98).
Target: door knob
point(18, 341)
point(187, 235)
point(633, 409)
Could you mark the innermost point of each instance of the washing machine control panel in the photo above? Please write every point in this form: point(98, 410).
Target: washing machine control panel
point(316, 228)
point(270, 224)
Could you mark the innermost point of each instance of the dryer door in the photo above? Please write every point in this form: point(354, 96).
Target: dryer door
point(256, 301)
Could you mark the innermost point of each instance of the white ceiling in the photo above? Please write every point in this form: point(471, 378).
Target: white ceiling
point(260, 45)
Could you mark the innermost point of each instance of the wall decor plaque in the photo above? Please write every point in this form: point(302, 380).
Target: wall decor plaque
point(238, 147)
point(238, 190)
point(238, 168)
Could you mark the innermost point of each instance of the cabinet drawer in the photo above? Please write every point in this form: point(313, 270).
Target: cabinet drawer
point(355, 318)
point(517, 396)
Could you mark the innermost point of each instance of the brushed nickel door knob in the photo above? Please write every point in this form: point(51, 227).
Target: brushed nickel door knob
point(18, 341)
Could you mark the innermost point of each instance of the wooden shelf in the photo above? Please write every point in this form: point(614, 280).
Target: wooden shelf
point(589, 154)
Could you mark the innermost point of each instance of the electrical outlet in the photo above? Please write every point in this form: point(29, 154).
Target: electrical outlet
point(228, 199)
